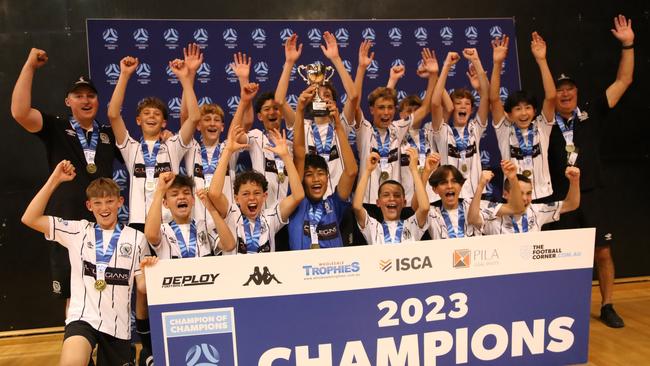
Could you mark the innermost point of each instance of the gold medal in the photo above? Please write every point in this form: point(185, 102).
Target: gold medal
point(527, 173)
point(100, 285)
point(314, 246)
point(384, 175)
point(570, 148)
point(91, 168)
point(281, 177)
point(463, 168)
point(150, 186)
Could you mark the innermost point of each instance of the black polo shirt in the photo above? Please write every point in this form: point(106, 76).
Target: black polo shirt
point(61, 143)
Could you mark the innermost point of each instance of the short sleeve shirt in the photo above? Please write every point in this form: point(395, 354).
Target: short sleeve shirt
point(207, 240)
point(373, 230)
point(270, 223)
point(536, 215)
point(328, 228)
point(438, 227)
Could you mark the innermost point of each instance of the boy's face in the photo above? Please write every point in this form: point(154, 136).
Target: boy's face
point(383, 112)
point(405, 112)
point(391, 200)
point(180, 201)
point(462, 110)
point(522, 114)
point(449, 191)
point(250, 198)
point(210, 126)
point(151, 121)
point(315, 183)
point(105, 210)
point(567, 98)
point(83, 103)
point(325, 93)
point(526, 193)
point(270, 115)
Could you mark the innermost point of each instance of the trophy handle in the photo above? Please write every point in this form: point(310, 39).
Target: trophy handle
point(331, 70)
point(298, 70)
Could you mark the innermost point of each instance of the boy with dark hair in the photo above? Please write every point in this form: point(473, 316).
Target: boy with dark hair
point(316, 223)
point(105, 259)
point(522, 136)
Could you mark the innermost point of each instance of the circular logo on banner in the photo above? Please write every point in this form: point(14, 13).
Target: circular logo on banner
point(110, 35)
point(204, 70)
point(202, 355)
point(496, 32)
point(421, 34)
point(397, 62)
point(292, 100)
point(141, 35)
point(205, 100)
point(471, 32)
point(233, 103)
point(112, 71)
point(170, 35)
point(169, 72)
point(174, 105)
point(143, 70)
point(373, 68)
point(261, 68)
point(314, 35)
point(446, 33)
point(348, 65)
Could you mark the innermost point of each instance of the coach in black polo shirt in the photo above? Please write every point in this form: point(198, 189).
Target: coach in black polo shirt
point(576, 141)
point(89, 145)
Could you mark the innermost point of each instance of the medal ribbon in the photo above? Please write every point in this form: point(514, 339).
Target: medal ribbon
point(187, 251)
point(461, 143)
point(149, 159)
point(566, 126)
point(526, 145)
point(90, 149)
point(252, 239)
point(209, 164)
point(398, 233)
point(279, 164)
point(323, 150)
point(382, 147)
point(103, 257)
point(461, 222)
point(524, 224)
point(315, 213)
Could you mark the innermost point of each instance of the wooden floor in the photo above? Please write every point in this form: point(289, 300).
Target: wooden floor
point(607, 347)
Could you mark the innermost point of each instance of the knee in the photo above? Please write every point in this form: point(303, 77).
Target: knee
point(603, 253)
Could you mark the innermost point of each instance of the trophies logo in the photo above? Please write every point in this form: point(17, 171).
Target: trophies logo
point(314, 35)
point(496, 32)
point(292, 100)
point(342, 35)
point(233, 103)
point(141, 35)
point(373, 68)
point(112, 71)
point(446, 33)
point(368, 34)
point(348, 65)
point(204, 70)
point(397, 62)
point(200, 35)
point(261, 68)
point(205, 100)
point(471, 32)
point(202, 355)
point(285, 34)
point(143, 70)
point(395, 34)
point(230, 35)
point(174, 105)
point(503, 93)
point(318, 74)
point(421, 34)
point(110, 35)
point(258, 35)
point(170, 35)
point(169, 72)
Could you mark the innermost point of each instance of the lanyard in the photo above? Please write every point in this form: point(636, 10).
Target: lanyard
point(102, 257)
point(398, 233)
point(461, 222)
point(89, 147)
point(209, 164)
point(382, 147)
point(252, 239)
point(526, 145)
point(323, 150)
point(187, 251)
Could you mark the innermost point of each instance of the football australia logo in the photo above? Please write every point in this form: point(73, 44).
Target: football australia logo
point(202, 355)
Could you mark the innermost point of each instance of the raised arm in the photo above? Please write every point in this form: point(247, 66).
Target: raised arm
point(474, 214)
point(515, 204)
point(281, 149)
point(242, 67)
point(439, 89)
point(154, 215)
point(226, 239)
point(365, 58)
point(299, 130)
point(346, 182)
point(34, 215)
point(471, 54)
point(396, 73)
point(331, 51)
point(21, 99)
point(357, 201)
point(292, 51)
point(193, 58)
point(430, 64)
point(538, 47)
point(183, 74)
point(430, 164)
point(623, 32)
point(499, 53)
point(127, 68)
point(420, 192)
point(572, 199)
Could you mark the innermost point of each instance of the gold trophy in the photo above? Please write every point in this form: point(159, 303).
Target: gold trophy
point(317, 73)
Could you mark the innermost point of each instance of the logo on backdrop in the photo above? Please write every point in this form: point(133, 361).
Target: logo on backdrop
point(259, 37)
point(261, 71)
point(230, 36)
point(285, 34)
point(205, 100)
point(315, 36)
point(170, 35)
point(395, 35)
point(171, 77)
point(174, 106)
point(496, 31)
point(421, 36)
point(143, 71)
point(202, 355)
point(462, 258)
point(344, 98)
point(447, 35)
point(230, 73)
point(342, 36)
point(141, 37)
point(201, 37)
point(542, 252)
point(368, 34)
point(401, 95)
point(292, 100)
point(190, 280)
point(110, 38)
point(264, 277)
point(471, 33)
point(373, 69)
point(397, 62)
point(112, 72)
point(348, 65)
point(503, 93)
point(405, 264)
point(233, 103)
point(203, 73)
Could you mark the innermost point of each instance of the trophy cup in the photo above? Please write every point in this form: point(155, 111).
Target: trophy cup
point(317, 73)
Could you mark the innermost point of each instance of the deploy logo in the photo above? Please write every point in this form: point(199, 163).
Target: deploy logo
point(190, 280)
point(285, 34)
point(496, 32)
point(368, 34)
point(202, 355)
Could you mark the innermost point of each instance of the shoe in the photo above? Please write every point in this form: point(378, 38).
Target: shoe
point(610, 318)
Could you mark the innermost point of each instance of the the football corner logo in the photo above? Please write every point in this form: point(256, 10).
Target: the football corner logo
point(461, 258)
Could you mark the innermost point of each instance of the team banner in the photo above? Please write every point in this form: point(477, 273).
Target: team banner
point(520, 299)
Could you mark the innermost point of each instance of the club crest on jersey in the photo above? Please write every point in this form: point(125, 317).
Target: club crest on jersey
point(171, 239)
point(126, 249)
point(103, 137)
point(202, 238)
point(89, 244)
point(71, 133)
point(328, 207)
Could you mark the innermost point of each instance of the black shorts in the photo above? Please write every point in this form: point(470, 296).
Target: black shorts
point(110, 350)
point(593, 212)
point(60, 268)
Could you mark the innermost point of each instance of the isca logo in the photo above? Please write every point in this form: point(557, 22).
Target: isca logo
point(292, 100)
point(395, 34)
point(110, 35)
point(204, 70)
point(169, 72)
point(285, 34)
point(446, 33)
point(258, 35)
point(348, 65)
point(143, 70)
point(170, 35)
point(421, 34)
point(373, 68)
point(261, 68)
point(202, 355)
point(141, 35)
point(368, 34)
point(205, 100)
point(471, 32)
point(314, 35)
point(229, 71)
point(397, 62)
point(342, 35)
point(112, 71)
point(233, 103)
point(201, 35)
point(174, 104)
point(496, 32)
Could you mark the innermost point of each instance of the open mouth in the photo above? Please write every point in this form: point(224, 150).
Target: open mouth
point(462, 114)
point(252, 207)
point(316, 188)
point(450, 194)
point(182, 205)
point(105, 214)
point(88, 108)
point(212, 129)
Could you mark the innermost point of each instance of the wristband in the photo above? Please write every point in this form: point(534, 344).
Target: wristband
point(628, 47)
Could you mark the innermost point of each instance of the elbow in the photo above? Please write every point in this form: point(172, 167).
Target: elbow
point(352, 170)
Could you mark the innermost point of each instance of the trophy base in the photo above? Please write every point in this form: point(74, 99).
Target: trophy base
point(320, 112)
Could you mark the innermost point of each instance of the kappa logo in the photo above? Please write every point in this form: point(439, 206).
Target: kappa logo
point(233, 103)
point(201, 35)
point(314, 35)
point(471, 32)
point(395, 34)
point(143, 70)
point(285, 34)
point(292, 100)
point(446, 33)
point(261, 68)
point(258, 35)
point(141, 35)
point(373, 68)
point(230, 35)
point(119, 176)
point(205, 100)
point(174, 105)
point(348, 65)
point(496, 32)
point(202, 355)
point(397, 62)
point(170, 35)
point(204, 70)
point(503, 93)
point(110, 35)
point(368, 34)
point(421, 34)
point(261, 278)
point(401, 95)
point(386, 264)
point(461, 258)
point(112, 71)
point(342, 35)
